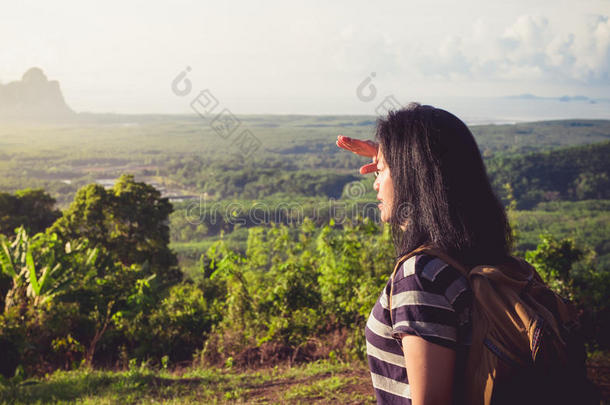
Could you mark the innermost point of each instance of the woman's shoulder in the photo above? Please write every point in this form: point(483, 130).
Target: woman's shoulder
point(430, 273)
point(432, 299)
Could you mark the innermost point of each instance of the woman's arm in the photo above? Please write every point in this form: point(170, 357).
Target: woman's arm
point(430, 369)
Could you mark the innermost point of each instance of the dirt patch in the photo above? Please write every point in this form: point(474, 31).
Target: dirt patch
point(272, 353)
point(267, 354)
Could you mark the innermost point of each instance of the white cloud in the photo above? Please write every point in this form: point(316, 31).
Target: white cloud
point(593, 52)
point(531, 48)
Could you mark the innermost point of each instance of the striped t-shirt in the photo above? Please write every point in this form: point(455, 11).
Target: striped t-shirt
point(430, 299)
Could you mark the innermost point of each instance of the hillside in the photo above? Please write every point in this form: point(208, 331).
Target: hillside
point(576, 173)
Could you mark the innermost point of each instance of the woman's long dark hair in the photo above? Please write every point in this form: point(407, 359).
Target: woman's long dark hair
point(442, 195)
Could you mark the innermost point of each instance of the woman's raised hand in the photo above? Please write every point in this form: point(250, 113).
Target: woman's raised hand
point(362, 148)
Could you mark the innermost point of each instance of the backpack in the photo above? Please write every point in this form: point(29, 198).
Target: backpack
point(526, 344)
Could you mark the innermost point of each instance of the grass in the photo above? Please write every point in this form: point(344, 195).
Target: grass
point(317, 382)
point(330, 388)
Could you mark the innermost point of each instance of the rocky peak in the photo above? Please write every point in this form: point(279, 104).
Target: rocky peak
point(33, 98)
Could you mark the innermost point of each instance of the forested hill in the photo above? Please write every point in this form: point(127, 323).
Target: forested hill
point(576, 173)
point(539, 136)
point(183, 156)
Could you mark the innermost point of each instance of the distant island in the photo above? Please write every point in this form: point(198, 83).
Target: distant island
point(33, 98)
point(566, 98)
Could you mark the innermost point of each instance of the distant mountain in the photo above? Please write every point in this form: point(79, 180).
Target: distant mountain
point(566, 99)
point(33, 98)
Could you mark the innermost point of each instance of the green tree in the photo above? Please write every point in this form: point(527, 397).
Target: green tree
point(129, 222)
point(554, 259)
point(572, 272)
point(33, 209)
point(591, 185)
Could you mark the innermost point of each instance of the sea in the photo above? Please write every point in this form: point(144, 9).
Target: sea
point(511, 110)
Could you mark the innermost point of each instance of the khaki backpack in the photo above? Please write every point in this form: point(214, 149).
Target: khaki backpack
point(526, 347)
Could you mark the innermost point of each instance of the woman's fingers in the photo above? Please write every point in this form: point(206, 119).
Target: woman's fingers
point(363, 148)
point(370, 168)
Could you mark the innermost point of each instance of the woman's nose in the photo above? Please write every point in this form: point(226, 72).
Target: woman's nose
point(376, 184)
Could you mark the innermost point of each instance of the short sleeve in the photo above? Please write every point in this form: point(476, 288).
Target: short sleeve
point(429, 299)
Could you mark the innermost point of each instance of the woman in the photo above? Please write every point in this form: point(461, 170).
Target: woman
point(433, 190)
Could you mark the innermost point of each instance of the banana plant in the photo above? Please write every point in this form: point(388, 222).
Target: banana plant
point(44, 283)
point(5, 258)
point(10, 254)
point(40, 289)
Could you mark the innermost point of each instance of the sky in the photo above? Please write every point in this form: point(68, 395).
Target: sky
point(307, 57)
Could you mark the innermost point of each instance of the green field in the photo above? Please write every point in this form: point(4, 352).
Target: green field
point(318, 382)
